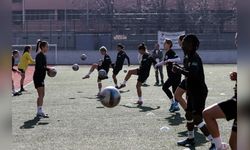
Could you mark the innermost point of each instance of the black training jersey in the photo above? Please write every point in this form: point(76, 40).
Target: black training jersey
point(146, 63)
point(40, 67)
point(13, 64)
point(106, 63)
point(121, 56)
point(170, 55)
point(195, 75)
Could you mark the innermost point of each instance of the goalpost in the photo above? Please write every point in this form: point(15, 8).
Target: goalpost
point(52, 56)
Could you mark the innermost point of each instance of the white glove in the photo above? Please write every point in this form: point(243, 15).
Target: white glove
point(160, 64)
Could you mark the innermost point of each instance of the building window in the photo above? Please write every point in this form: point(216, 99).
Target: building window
point(17, 1)
point(17, 17)
point(71, 14)
point(40, 14)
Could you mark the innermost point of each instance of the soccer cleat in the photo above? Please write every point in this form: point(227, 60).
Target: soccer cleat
point(42, 115)
point(212, 147)
point(122, 86)
point(186, 142)
point(22, 90)
point(139, 103)
point(175, 107)
point(16, 94)
point(145, 85)
point(85, 77)
point(171, 107)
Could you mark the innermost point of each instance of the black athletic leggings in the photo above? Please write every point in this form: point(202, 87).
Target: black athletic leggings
point(174, 82)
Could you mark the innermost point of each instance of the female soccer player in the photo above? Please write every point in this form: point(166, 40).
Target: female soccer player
point(182, 88)
point(121, 56)
point(25, 60)
point(142, 72)
point(196, 90)
point(228, 110)
point(103, 64)
point(15, 54)
point(174, 79)
point(39, 76)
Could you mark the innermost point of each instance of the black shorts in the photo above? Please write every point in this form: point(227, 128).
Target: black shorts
point(229, 108)
point(39, 83)
point(141, 76)
point(116, 70)
point(196, 103)
point(183, 84)
point(21, 70)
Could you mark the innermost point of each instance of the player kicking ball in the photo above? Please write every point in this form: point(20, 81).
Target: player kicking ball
point(142, 72)
point(104, 64)
point(117, 67)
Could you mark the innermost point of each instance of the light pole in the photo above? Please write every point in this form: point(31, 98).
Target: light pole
point(23, 13)
point(87, 15)
point(65, 25)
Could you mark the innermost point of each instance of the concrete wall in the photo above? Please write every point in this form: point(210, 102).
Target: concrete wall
point(71, 57)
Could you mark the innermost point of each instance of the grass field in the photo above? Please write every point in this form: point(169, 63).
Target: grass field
point(79, 122)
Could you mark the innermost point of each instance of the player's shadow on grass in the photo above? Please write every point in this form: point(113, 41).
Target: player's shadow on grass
point(200, 139)
point(32, 123)
point(142, 108)
point(175, 119)
point(90, 97)
point(146, 108)
point(121, 91)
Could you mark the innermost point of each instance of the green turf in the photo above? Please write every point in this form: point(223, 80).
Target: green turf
point(78, 121)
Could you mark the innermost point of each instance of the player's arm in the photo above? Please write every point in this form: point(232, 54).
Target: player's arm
point(191, 72)
point(30, 59)
point(128, 59)
point(177, 59)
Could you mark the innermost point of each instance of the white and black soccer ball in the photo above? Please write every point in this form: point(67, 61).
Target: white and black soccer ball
point(83, 57)
point(75, 67)
point(110, 97)
point(52, 72)
point(102, 74)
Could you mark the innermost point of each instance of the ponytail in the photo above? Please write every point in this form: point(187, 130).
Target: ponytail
point(38, 44)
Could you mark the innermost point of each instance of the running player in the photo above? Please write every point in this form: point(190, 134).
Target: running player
point(174, 79)
point(196, 90)
point(181, 89)
point(25, 60)
point(117, 67)
point(228, 110)
point(103, 64)
point(142, 72)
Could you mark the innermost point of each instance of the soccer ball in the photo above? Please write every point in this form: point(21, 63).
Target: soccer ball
point(52, 72)
point(102, 74)
point(110, 97)
point(83, 57)
point(75, 67)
